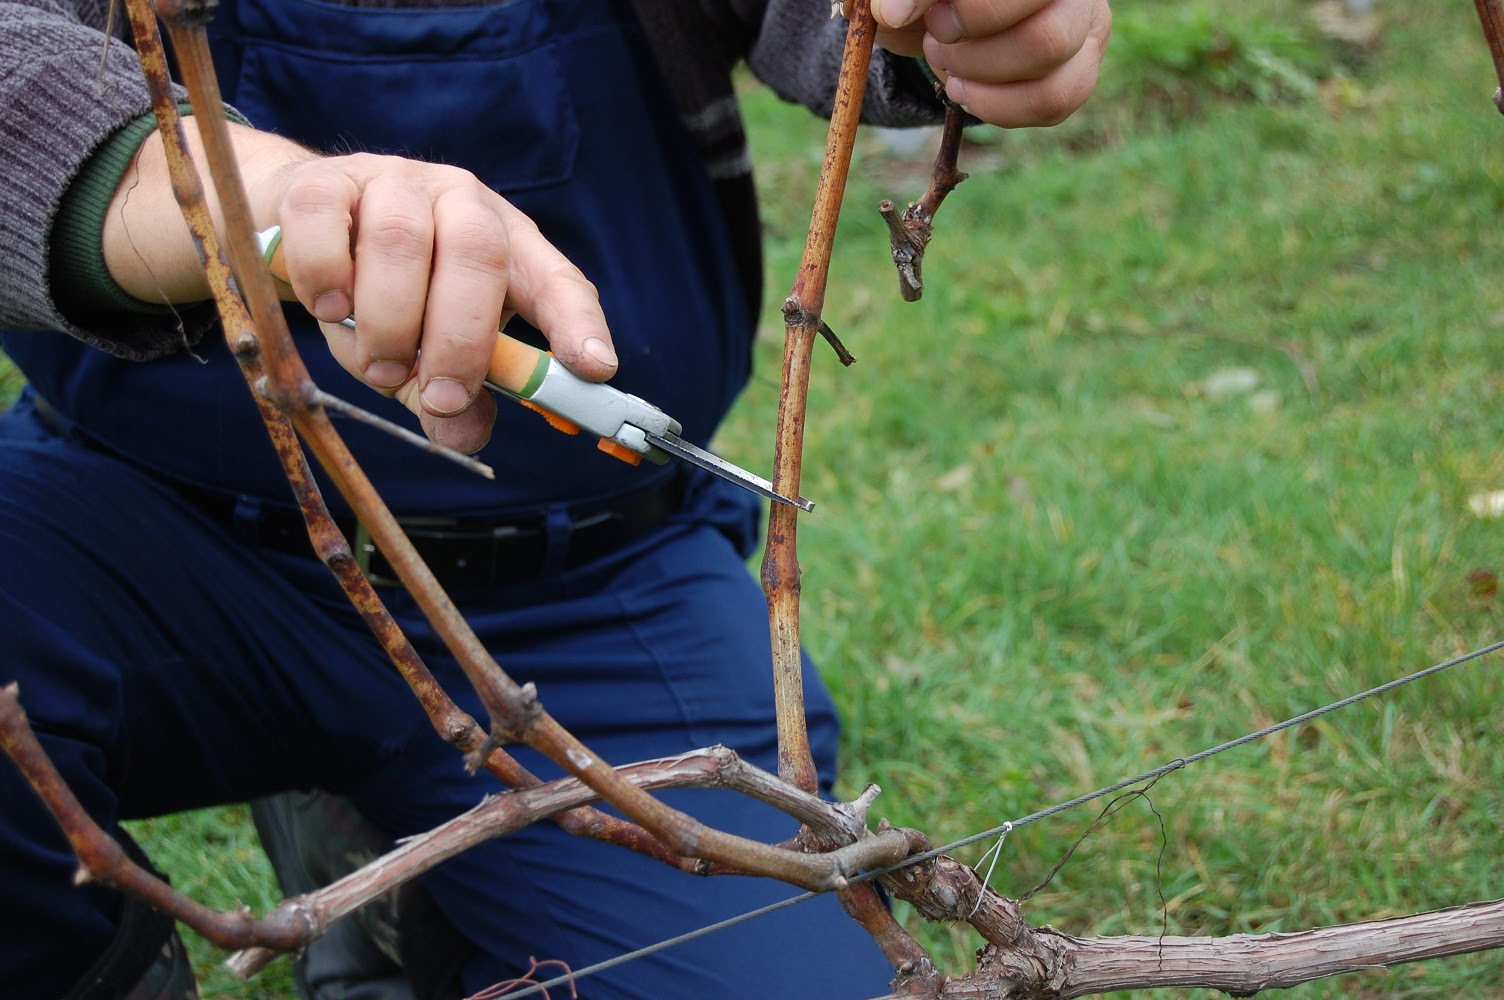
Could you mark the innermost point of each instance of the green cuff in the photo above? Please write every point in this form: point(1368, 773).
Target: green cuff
point(81, 283)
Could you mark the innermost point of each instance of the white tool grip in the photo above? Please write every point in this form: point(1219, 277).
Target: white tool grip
point(602, 410)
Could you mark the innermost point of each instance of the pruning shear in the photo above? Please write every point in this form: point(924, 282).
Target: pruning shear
point(629, 428)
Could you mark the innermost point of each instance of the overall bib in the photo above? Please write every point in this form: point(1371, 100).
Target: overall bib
point(169, 664)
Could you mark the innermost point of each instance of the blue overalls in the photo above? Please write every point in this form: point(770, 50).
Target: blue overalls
point(170, 658)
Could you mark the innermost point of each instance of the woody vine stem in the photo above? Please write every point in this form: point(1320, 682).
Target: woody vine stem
point(834, 839)
point(258, 335)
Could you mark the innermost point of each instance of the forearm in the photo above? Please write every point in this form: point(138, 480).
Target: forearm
point(147, 248)
point(68, 93)
point(58, 102)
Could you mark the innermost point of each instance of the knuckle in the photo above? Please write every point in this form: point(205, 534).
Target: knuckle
point(312, 189)
point(566, 278)
point(568, 272)
point(473, 244)
point(1053, 101)
point(1050, 39)
point(399, 238)
point(459, 351)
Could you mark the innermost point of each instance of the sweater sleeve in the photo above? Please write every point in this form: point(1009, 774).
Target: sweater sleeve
point(63, 93)
point(797, 52)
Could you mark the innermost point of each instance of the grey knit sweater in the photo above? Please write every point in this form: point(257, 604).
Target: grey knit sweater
point(64, 92)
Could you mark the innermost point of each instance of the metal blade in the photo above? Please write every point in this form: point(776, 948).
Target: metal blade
point(675, 445)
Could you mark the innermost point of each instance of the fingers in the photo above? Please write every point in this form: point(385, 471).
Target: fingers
point(552, 294)
point(1013, 63)
point(394, 248)
point(1029, 100)
point(337, 211)
point(465, 432)
point(899, 13)
point(316, 218)
point(1025, 49)
point(466, 291)
point(951, 21)
point(431, 262)
point(900, 28)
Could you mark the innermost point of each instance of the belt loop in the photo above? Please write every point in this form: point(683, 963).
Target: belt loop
point(245, 521)
point(558, 529)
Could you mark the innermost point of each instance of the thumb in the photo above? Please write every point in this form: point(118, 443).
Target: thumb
point(899, 13)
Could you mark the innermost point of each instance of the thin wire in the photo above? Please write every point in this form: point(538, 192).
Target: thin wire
point(1004, 828)
point(1180, 762)
point(591, 970)
point(995, 851)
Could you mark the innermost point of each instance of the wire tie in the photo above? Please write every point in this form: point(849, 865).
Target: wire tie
point(996, 851)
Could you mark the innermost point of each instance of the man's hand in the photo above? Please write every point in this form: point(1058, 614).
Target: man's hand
point(430, 261)
point(1014, 63)
point(439, 263)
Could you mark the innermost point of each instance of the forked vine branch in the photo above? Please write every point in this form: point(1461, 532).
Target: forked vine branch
point(835, 850)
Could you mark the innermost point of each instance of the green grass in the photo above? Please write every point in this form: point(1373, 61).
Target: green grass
point(213, 856)
point(1049, 552)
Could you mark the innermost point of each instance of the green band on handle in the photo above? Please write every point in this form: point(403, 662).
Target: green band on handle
point(540, 371)
point(271, 245)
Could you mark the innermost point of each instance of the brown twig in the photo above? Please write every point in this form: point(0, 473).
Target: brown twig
point(780, 564)
point(1491, 13)
point(329, 401)
point(496, 816)
point(844, 356)
point(909, 231)
point(501, 989)
point(101, 859)
point(714, 767)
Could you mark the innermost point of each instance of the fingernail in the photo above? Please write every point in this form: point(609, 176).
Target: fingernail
point(331, 307)
point(386, 374)
point(944, 25)
point(955, 89)
point(445, 396)
point(895, 13)
point(600, 351)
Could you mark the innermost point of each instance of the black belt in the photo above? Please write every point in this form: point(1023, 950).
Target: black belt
point(469, 552)
point(461, 552)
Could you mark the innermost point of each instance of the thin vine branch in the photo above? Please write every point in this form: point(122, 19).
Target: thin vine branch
point(909, 231)
point(780, 563)
point(711, 768)
point(1491, 13)
point(103, 860)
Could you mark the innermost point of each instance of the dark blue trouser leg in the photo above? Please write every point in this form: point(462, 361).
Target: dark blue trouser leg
point(167, 668)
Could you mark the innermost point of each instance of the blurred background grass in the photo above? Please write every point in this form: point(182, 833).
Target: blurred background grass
point(1179, 442)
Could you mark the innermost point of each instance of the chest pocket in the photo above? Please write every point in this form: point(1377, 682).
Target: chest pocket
point(478, 86)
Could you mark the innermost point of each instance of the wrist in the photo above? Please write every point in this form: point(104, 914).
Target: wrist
point(80, 279)
point(147, 247)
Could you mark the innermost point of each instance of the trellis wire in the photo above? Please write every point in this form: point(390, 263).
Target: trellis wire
point(1005, 828)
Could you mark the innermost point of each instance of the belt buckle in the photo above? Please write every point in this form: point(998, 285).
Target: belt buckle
point(363, 548)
